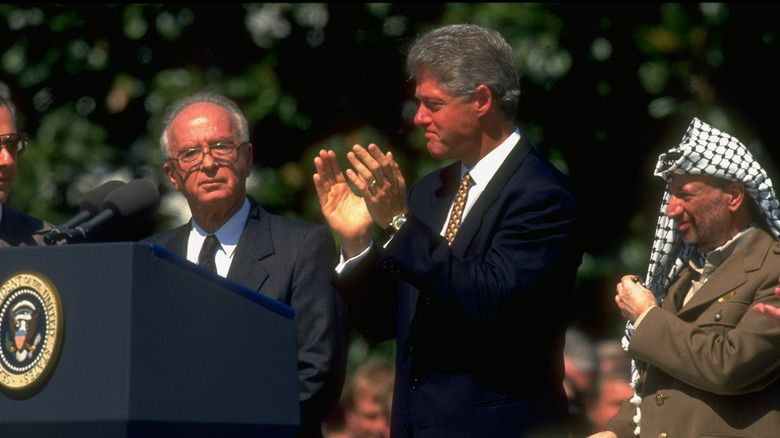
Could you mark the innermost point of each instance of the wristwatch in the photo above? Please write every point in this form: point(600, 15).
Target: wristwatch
point(395, 224)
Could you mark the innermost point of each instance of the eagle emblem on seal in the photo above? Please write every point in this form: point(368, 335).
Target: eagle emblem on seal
point(23, 320)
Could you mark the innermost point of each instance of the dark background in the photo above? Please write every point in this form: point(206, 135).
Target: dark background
point(606, 89)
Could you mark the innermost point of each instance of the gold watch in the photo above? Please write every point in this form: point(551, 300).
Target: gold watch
point(395, 224)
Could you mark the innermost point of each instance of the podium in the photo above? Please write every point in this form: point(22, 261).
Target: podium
point(148, 344)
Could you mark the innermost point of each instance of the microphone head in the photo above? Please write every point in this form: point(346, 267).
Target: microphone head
point(92, 202)
point(137, 199)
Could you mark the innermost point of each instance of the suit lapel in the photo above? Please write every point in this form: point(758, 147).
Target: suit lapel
point(255, 244)
point(674, 299)
point(732, 273)
point(489, 195)
point(177, 240)
point(435, 208)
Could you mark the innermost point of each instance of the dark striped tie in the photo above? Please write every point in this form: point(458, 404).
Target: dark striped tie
point(207, 252)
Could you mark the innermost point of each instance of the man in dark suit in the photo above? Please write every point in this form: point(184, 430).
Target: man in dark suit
point(16, 228)
point(474, 356)
point(208, 159)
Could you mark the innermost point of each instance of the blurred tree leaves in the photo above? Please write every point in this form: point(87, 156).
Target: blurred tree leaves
point(606, 88)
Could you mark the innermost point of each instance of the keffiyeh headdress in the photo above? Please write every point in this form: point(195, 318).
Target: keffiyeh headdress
point(703, 150)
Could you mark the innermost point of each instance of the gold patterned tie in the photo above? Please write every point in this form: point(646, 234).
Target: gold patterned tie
point(457, 208)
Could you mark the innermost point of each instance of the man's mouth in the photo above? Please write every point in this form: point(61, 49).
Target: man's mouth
point(684, 226)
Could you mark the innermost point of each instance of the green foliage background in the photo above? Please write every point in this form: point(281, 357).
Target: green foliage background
point(607, 87)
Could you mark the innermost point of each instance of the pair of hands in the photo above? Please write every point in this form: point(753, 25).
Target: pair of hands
point(380, 194)
point(633, 299)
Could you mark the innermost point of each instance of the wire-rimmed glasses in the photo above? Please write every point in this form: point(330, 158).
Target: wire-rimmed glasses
point(15, 143)
point(221, 153)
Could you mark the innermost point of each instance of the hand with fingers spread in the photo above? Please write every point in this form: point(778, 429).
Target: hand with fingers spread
point(345, 211)
point(379, 178)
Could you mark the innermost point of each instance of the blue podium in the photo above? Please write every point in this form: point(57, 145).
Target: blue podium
point(129, 340)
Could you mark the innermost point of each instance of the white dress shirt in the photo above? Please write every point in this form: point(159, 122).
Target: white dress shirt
point(481, 173)
point(228, 236)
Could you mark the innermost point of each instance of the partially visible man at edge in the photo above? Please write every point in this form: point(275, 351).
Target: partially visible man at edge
point(16, 228)
point(205, 143)
point(474, 357)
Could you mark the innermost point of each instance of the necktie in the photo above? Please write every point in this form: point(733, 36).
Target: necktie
point(457, 208)
point(207, 252)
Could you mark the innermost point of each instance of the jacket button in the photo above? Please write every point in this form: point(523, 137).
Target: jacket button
point(659, 400)
point(414, 383)
point(718, 317)
point(663, 435)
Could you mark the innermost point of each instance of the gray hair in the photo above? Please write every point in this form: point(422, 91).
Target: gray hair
point(464, 56)
point(203, 97)
point(5, 101)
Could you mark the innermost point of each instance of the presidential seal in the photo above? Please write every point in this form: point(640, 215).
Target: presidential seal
point(31, 330)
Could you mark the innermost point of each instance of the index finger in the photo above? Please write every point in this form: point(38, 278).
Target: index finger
point(327, 166)
point(376, 161)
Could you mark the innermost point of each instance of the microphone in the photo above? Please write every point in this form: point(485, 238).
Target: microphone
point(137, 199)
point(91, 203)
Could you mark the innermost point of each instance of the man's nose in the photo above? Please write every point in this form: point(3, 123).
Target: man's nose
point(674, 208)
point(208, 159)
point(422, 117)
point(5, 156)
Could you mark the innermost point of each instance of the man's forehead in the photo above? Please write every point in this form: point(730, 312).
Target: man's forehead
point(203, 122)
point(681, 179)
point(7, 124)
point(203, 111)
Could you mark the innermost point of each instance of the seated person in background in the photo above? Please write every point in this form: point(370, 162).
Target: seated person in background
point(611, 387)
point(367, 398)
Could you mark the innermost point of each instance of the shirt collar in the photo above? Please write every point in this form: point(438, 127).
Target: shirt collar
point(228, 234)
point(485, 168)
point(716, 257)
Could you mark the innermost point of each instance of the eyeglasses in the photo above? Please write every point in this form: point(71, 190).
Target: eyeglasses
point(221, 153)
point(15, 143)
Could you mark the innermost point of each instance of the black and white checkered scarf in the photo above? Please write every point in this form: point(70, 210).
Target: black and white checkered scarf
point(703, 150)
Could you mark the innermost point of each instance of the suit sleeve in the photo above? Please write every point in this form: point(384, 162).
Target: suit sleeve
point(730, 349)
point(525, 246)
point(369, 295)
point(321, 326)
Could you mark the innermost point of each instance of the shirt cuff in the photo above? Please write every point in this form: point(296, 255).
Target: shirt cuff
point(642, 316)
point(346, 265)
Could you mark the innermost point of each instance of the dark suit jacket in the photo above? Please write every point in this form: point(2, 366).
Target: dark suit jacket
point(480, 325)
point(712, 367)
point(292, 262)
point(19, 229)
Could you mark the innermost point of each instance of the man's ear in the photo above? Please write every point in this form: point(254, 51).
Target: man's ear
point(171, 172)
point(483, 99)
point(736, 191)
point(250, 154)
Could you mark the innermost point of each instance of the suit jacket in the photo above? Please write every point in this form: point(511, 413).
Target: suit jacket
point(712, 366)
point(292, 262)
point(19, 229)
point(474, 355)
